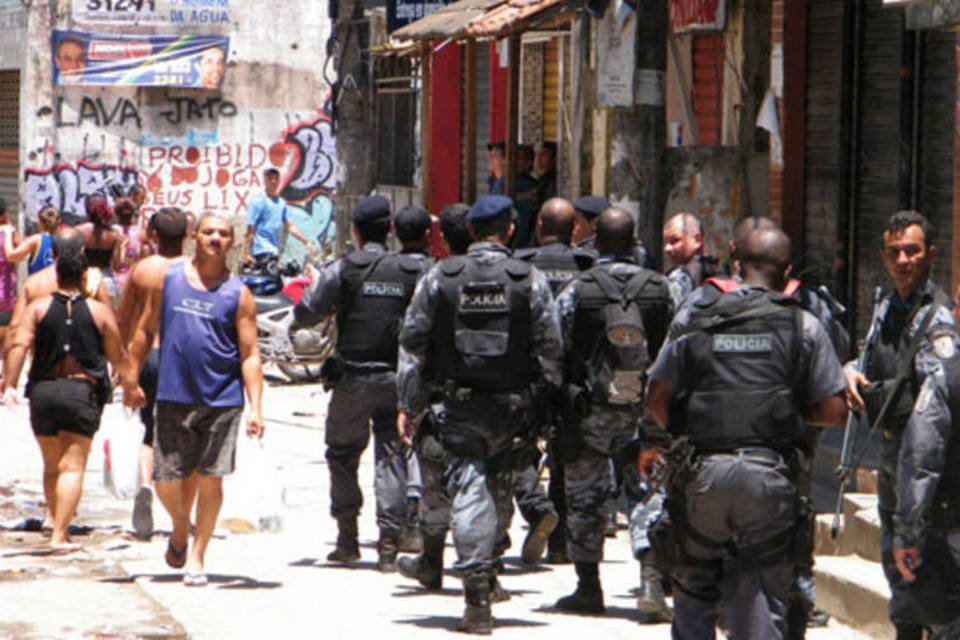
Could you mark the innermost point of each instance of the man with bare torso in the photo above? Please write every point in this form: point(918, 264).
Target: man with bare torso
point(166, 229)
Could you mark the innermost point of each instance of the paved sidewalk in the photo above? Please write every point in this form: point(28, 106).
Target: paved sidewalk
point(264, 584)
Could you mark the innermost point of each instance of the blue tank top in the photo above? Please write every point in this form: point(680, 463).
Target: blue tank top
point(199, 352)
point(44, 257)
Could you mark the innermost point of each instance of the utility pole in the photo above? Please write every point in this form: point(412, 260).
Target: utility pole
point(639, 132)
point(352, 111)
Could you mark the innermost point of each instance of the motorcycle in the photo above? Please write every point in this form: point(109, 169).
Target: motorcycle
point(299, 354)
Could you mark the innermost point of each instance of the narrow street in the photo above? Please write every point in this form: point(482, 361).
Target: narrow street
point(263, 584)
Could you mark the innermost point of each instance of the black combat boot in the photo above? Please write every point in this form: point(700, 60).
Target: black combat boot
point(387, 552)
point(410, 540)
point(588, 598)
point(651, 603)
point(427, 568)
point(347, 548)
point(536, 540)
point(477, 617)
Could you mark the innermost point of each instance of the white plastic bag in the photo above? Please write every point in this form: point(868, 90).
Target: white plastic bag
point(122, 439)
point(253, 495)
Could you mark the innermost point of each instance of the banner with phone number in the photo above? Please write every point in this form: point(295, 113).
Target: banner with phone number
point(81, 58)
point(152, 12)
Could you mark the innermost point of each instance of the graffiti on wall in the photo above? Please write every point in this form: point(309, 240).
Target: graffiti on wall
point(65, 186)
point(121, 112)
point(224, 178)
point(196, 172)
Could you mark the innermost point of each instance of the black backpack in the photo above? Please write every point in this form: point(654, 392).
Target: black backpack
point(618, 363)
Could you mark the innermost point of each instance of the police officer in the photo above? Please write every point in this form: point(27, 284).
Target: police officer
point(746, 366)
point(453, 227)
point(915, 304)
point(559, 262)
point(928, 495)
point(412, 226)
point(604, 365)
point(369, 289)
point(475, 331)
point(683, 246)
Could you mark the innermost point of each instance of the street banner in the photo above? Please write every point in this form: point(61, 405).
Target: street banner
point(697, 15)
point(184, 13)
point(616, 56)
point(400, 13)
point(105, 59)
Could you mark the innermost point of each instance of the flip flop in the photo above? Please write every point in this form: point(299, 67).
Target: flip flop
point(175, 558)
point(194, 579)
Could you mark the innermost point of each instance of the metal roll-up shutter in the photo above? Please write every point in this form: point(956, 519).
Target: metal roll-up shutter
point(935, 158)
point(878, 152)
point(822, 152)
point(10, 137)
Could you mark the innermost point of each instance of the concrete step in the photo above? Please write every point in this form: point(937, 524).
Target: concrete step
point(859, 532)
point(855, 592)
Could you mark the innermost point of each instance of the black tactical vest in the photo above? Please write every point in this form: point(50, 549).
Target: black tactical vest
point(558, 262)
point(741, 364)
point(887, 350)
point(481, 334)
point(375, 290)
point(589, 320)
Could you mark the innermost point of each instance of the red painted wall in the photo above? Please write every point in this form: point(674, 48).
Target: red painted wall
point(445, 128)
point(498, 97)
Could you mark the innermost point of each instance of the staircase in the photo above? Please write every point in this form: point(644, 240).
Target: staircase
point(851, 586)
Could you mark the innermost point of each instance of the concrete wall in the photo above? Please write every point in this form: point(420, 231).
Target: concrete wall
point(196, 149)
point(13, 32)
point(710, 182)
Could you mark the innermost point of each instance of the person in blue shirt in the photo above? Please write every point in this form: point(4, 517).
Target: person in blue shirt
point(267, 217)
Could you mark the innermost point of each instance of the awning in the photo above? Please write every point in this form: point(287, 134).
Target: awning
point(484, 19)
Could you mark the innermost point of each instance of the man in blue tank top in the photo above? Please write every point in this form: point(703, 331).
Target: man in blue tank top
point(206, 320)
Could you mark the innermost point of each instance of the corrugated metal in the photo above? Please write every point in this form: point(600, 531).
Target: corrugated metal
point(485, 18)
point(551, 90)
point(708, 86)
point(514, 15)
point(10, 137)
point(447, 22)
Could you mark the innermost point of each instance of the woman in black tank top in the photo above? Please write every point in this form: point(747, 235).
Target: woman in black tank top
point(101, 239)
point(72, 339)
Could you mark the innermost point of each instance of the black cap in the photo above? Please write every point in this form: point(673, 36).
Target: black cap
point(3, 205)
point(490, 208)
point(411, 222)
point(591, 206)
point(371, 208)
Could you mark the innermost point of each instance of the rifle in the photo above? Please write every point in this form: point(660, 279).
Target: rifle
point(845, 466)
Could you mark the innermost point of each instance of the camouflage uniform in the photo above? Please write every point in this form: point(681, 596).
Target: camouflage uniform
point(604, 431)
point(480, 488)
point(896, 321)
point(751, 602)
point(364, 397)
point(925, 480)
